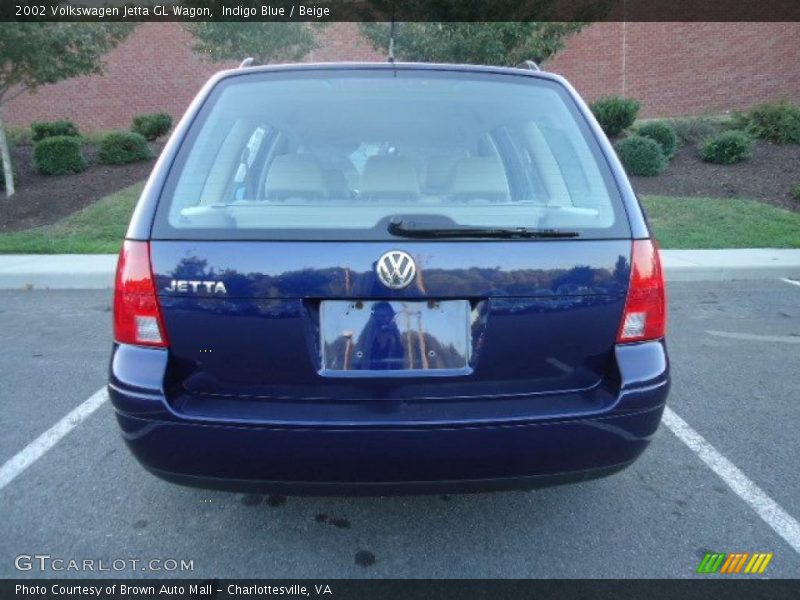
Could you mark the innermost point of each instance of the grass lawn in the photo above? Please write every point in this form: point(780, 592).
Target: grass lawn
point(678, 223)
point(721, 223)
point(97, 229)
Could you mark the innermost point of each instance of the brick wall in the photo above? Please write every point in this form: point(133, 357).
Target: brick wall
point(685, 68)
point(672, 68)
point(154, 70)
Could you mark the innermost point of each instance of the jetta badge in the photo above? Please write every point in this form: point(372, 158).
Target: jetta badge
point(185, 285)
point(396, 269)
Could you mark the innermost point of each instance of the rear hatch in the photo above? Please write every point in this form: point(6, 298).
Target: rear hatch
point(393, 246)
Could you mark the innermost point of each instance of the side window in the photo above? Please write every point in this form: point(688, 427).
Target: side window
point(208, 174)
point(544, 169)
point(570, 165)
point(246, 159)
point(517, 171)
point(531, 172)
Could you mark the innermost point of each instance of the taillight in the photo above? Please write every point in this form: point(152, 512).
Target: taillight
point(645, 316)
point(137, 318)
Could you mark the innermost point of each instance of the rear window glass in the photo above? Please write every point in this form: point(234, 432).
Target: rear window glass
point(336, 154)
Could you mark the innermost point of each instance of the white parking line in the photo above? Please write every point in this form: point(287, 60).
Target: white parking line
point(792, 281)
point(38, 447)
point(770, 511)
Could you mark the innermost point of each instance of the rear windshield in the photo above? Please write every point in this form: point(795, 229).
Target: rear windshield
point(338, 154)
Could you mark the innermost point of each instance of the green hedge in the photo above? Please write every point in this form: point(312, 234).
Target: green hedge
point(152, 126)
point(726, 148)
point(779, 122)
point(693, 130)
point(796, 191)
point(60, 155)
point(641, 156)
point(615, 114)
point(122, 147)
point(660, 132)
point(41, 131)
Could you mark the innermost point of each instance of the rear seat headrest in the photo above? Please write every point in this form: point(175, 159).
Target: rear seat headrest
point(389, 177)
point(439, 173)
point(294, 175)
point(479, 178)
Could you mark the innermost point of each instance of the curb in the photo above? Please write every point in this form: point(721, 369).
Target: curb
point(726, 265)
point(96, 271)
point(57, 271)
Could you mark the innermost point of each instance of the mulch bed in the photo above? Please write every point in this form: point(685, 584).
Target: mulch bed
point(768, 175)
point(41, 200)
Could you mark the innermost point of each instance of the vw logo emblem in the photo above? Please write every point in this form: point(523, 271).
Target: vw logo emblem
point(396, 269)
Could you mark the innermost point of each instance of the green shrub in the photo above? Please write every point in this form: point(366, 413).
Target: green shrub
point(53, 129)
point(693, 130)
point(738, 121)
point(19, 136)
point(796, 192)
point(661, 132)
point(726, 148)
point(641, 155)
point(779, 122)
point(122, 147)
point(60, 155)
point(152, 126)
point(615, 114)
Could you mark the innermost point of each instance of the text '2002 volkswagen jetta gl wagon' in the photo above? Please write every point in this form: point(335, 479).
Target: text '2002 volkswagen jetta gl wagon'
point(388, 278)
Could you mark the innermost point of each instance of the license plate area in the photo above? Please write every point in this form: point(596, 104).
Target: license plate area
point(390, 338)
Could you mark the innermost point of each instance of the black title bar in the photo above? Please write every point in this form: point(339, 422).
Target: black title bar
point(401, 10)
point(730, 588)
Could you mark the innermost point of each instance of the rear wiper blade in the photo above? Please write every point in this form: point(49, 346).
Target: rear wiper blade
point(412, 230)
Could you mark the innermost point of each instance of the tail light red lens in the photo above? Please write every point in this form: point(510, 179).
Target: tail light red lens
point(645, 316)
point(137, 317)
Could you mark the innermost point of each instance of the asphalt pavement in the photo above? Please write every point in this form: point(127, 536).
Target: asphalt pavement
point(736, 368)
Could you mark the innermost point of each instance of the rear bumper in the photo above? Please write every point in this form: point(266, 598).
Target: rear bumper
point(387, 488)
point(421, 458)
point(383, 461)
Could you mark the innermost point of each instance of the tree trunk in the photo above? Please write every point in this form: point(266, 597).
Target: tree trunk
point(5, 155)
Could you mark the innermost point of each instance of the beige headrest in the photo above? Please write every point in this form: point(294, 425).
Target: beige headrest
point(294, 175)
point(479, 178)
point(439, 173)
point(389, 177)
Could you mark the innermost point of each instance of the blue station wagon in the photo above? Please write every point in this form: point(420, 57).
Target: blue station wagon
point(388, 278)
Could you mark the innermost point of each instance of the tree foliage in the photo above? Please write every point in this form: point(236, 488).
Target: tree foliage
point(502, 43)
point(264, 41)
point(487, 11)
point(35, 54)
